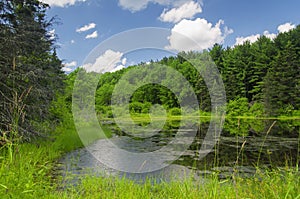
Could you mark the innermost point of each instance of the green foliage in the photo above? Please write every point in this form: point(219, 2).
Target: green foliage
point(282, 80)
point(28, 176)
point(287, 110)
point(257, 109)
point(296, 113)
point(175, 111)
point(265, 72)
point(33, 97)
point(146, 107)
point(30, 70)
point(236, 126)
point(237, 107)
point(136, 107)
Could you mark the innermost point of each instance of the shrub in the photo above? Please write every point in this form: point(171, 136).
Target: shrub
point(175, 111)
point(136, 107)
point(146, 107)
point(237, 107)
point(257, 109)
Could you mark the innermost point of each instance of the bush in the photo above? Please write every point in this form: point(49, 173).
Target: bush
point(286, 110)
point(146, 107)
point(296, 113)
point(136, 107)
point(257, 109)
point(238, 107)
point(175, 111)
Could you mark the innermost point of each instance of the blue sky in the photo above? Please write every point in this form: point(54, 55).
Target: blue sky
point(84, 24)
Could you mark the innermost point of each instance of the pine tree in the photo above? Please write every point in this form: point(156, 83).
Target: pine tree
point(29, 67)
point(282, 80)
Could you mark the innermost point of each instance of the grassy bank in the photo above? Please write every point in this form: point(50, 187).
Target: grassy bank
point(276, 184)
point(26, 171)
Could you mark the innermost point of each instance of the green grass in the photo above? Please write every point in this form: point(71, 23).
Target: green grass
point(26, 171)
point(275, 184)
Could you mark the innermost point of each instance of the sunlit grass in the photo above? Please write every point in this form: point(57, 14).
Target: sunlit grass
point(29, 174)
point(275, 184)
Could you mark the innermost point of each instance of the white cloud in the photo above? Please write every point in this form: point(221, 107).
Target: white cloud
point(124, 61)
point(52, 34)
point(66, 69)
point(92, 36)
point(253, 38)
point(285, 27)
point(73, 41)
point(196, 34)
point(133, 6)
point(86, 27)
point(270, 35)
point(108, 62)
point(137, 5)
point(119, 67)
point(70, 64)
point(186, 11)
point(62, 3)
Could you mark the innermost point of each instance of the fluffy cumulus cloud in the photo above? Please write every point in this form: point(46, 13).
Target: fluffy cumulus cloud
point(253, 38)
point(110, 61)
point(186, 11)
point(270, 35)
point(119, 67)
point(86, 27)
point(285, 27)
point(134, 5)
point(199, 34)
point(67, 69)
point(68, 66)
point(62, 3)
point(92, 36)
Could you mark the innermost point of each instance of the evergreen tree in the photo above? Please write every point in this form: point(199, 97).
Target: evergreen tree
point(282, 81)
point(263, 53)
point(29, 68)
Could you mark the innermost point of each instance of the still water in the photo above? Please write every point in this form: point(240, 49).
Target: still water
point(243, 147)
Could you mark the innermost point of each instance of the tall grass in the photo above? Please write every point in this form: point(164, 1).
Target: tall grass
point(275, 184)
point(27, 172)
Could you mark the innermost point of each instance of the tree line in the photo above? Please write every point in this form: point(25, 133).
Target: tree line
point(264, 74)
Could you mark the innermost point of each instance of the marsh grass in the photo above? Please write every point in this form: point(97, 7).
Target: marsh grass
point(26, 171)
point(273, 184)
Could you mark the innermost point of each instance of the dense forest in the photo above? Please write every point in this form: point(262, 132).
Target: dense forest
point(261, 77)
point(37, 126)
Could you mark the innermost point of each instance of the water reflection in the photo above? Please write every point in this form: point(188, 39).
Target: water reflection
point(244, 146)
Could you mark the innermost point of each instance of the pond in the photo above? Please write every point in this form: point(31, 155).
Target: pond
point(243, 146)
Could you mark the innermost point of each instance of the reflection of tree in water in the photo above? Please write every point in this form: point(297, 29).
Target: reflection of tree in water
point(277, 149)
point(259, 127)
